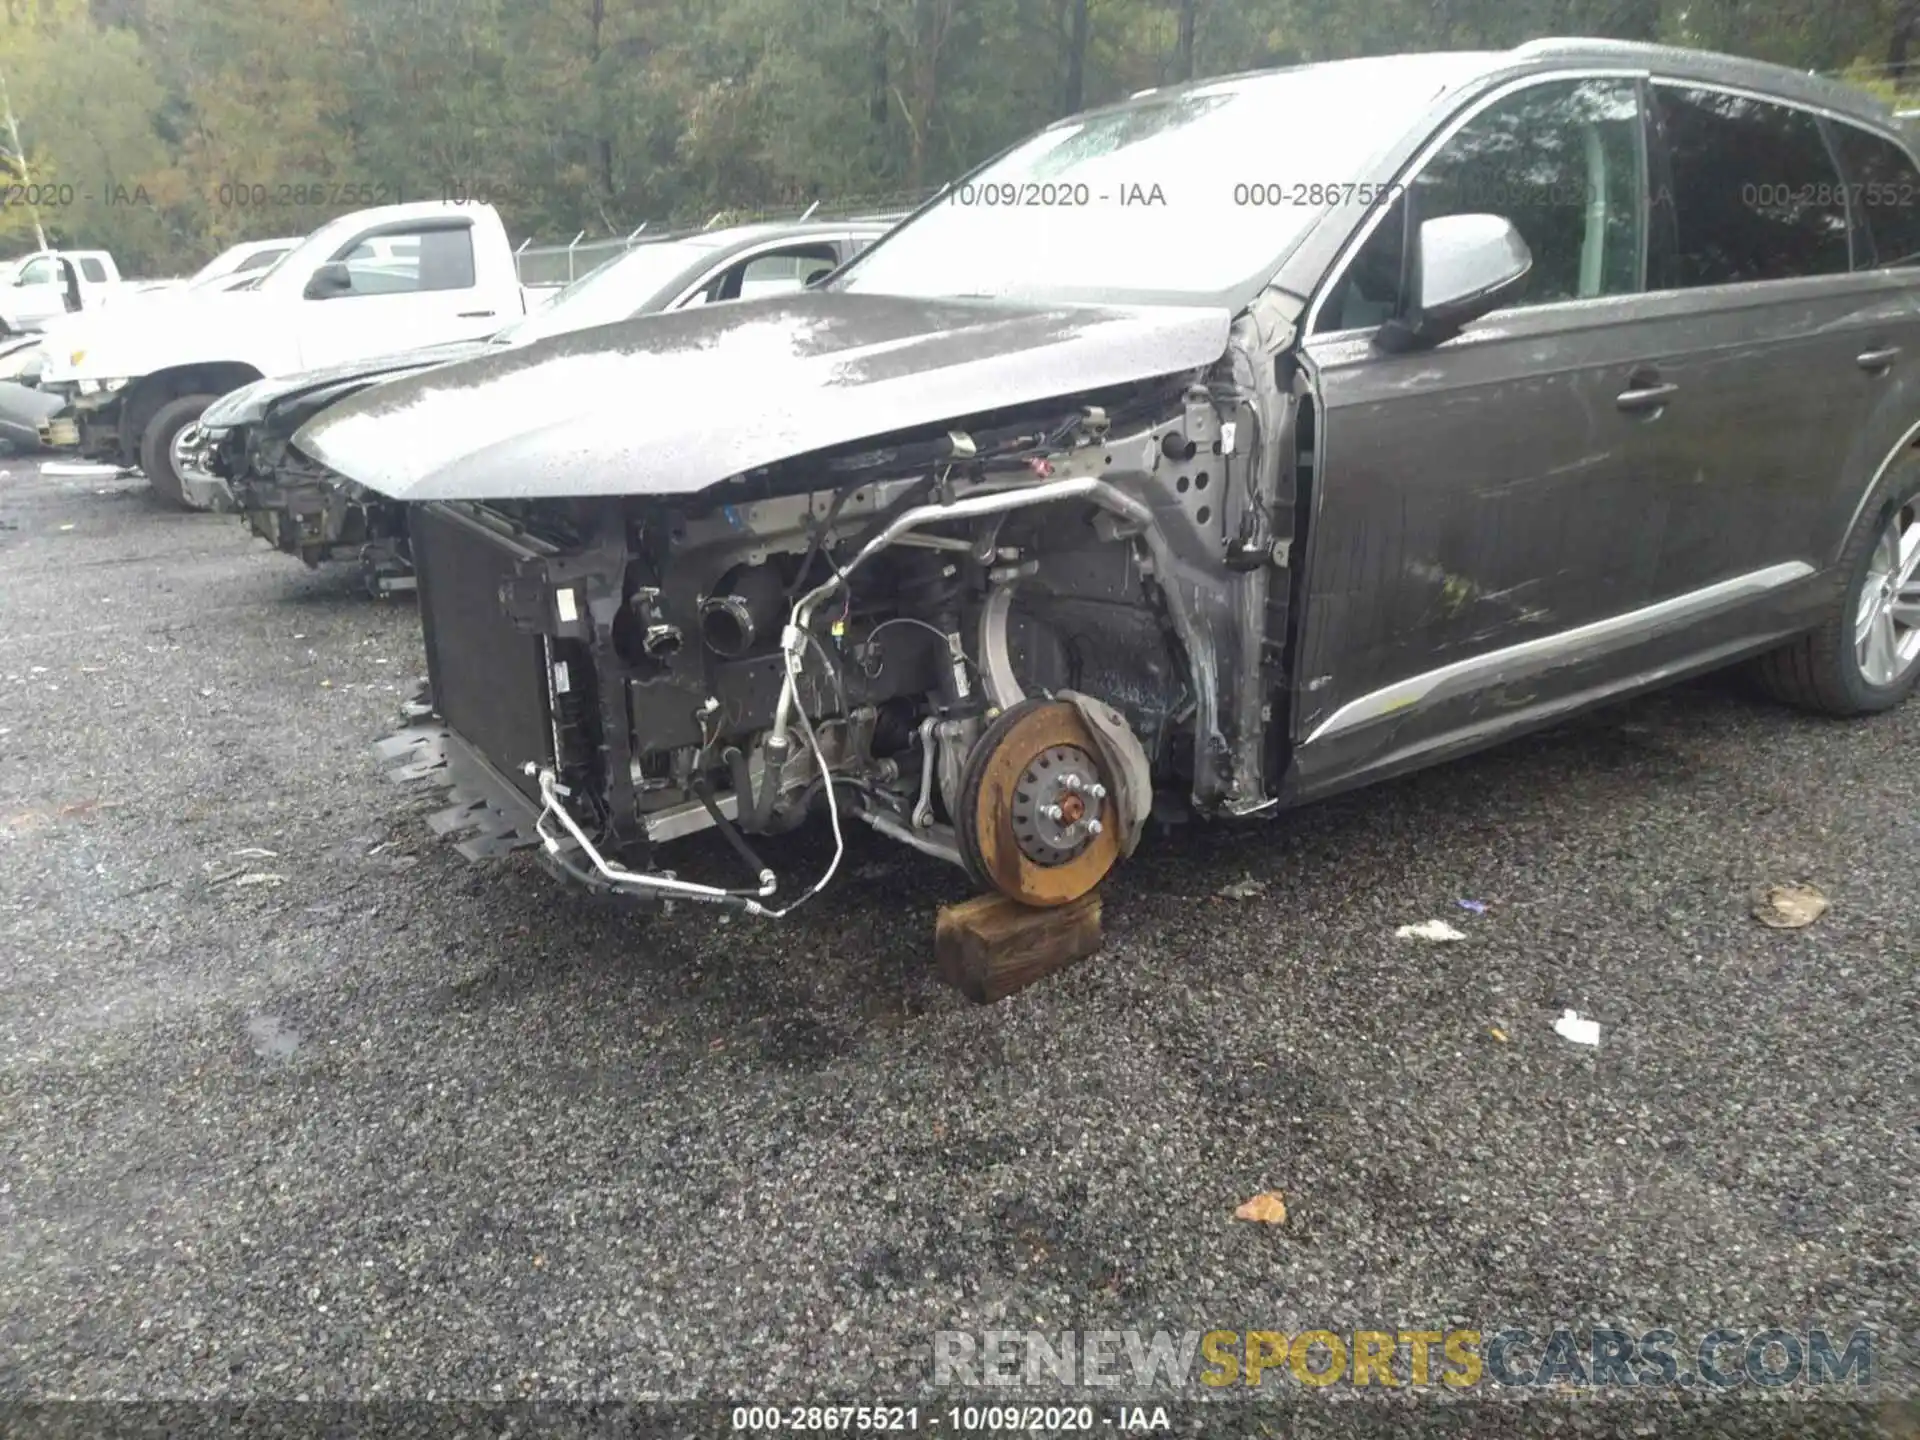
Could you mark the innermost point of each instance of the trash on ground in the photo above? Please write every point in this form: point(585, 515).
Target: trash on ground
point(1571, 1026)
point(1497, 1033)
point(1790, 907)
point(1269, 1207)
point(1244, 888)
point(248, 877)
point(1436, 931)
point(255, 852)
point(1477, 907)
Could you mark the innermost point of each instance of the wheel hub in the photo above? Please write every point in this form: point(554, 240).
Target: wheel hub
point(1034, 820)
point(1051, 819)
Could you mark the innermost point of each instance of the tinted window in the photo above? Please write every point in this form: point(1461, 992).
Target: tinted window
point(1562, 161)
point(1886, 190)
point(1755, 195)
point(259, 260)
point(775, 273)
point(39, 271)
point(93, 270)
point(405, 264)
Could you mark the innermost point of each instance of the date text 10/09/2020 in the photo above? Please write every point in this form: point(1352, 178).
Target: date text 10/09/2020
point(959, 1419)
point(1080, 194)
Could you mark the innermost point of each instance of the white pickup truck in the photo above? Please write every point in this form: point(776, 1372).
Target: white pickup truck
point(377, 281)
point(49, 284)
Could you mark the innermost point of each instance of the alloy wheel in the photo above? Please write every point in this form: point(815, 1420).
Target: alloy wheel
point(1886, 634)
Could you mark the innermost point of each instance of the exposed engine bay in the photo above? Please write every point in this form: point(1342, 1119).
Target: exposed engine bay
point(994, 644)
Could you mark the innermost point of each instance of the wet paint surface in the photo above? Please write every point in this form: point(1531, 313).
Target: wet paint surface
point(669, 404)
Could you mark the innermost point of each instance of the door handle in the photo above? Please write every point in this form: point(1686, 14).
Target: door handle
point(1877, 361)
point(1644, 399)
point(476, 315)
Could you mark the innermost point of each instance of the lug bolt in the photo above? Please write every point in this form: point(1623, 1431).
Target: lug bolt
point(1094, 827)
point(1052, 812)
point(1070, 781)
point(1096, 791)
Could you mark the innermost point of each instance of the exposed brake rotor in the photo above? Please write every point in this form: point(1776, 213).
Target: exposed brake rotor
point(1037, 821)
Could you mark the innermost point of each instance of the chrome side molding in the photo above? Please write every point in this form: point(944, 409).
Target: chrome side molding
point(1518, 661)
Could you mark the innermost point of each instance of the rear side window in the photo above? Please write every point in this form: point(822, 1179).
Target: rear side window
point(1755, 195)
point(93, 270)
point(1886, 190)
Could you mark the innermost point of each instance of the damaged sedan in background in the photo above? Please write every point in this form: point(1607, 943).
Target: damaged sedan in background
point(1119, 481)
point(239, 454)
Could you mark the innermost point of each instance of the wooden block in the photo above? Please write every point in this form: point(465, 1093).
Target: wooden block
point(990, 946)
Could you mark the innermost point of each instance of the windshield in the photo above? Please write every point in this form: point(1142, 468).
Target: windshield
point(1169, 198)
point(623, 286)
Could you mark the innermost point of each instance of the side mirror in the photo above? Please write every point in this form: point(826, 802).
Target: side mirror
point(1465, 267)
point(331, 279)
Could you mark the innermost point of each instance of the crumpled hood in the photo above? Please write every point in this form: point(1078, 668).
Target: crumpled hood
point(670, 404)
point(249, 403)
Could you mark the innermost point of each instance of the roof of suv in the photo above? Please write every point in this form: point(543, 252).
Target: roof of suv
point(1456, 69)
point(1708, 65)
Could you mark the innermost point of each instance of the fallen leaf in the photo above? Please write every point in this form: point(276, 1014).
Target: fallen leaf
point(1790, 907)
point(1266, 1208)
point(1437, 931)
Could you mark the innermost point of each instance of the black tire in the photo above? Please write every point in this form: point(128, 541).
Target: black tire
point(156, 445)
point(1820, 670)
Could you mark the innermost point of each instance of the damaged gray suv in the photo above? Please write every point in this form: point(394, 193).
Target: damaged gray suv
point(1218, 450)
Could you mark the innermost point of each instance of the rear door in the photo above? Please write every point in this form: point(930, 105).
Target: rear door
point(1481, 502)
point(1883, 184)
point(1773, 335)
point(413, 285)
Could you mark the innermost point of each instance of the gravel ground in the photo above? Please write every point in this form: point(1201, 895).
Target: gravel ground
point(385, 1124)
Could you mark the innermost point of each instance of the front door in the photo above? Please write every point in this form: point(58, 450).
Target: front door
point(39, 294)
point(1479, 513)
point(410, 287)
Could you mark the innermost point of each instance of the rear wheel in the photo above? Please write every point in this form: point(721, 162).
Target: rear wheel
point(1865, 656)
point(157, 457)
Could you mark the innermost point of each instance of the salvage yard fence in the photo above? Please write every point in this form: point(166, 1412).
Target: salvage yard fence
point(560, 264)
